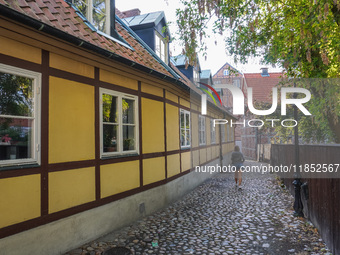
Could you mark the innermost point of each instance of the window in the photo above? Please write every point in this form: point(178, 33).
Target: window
point(19, 116)
point(201, 130)
point(185, 128)
point(228, 133)
point(226, 72)
point(236, 83)
point(232, 134)
point(161, 48)
point(95, 11)
point(196, 75)
point(223, 133)
point(213, 132)
point(119, 129)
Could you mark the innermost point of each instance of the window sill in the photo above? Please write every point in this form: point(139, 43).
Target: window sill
point(133, 154)
point(184, 149)
point(18, 166)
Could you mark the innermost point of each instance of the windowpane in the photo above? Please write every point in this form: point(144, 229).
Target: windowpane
point(128, 138)
point(16, 95)
point(182, 137)
point(160, 47)
point(157, 45)
point(98, 15)
point(187, 137)
point(82, 6)
point(182, 120)
point(187, 121)
point(110, 138)
point(16, 138)
point(213, 132)
point(128, 111)
point(110, 112)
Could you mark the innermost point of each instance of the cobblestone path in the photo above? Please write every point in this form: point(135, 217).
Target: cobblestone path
point(217, 218)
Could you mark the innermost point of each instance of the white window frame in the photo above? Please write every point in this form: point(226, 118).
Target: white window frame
point(202, 130)
point(228, 133)
point(36, 126)
point(237, 83)
point(226, 72)
point(222, 133)
point(89, 13)
point(119, 96)
point(162, 52)
point(195, 75)
point(232, 133)
point(185, 112)
point(212, 132)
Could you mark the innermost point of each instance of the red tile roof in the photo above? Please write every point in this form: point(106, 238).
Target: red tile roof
point(60, 15)
point(262, 86)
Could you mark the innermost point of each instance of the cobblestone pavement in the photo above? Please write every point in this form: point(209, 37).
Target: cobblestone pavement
point(217, 218)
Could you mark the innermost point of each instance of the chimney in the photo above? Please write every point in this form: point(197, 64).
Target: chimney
point(264, 72)
point(131, 13)
point(119, 13)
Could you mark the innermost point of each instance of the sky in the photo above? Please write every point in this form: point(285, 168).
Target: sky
point(216, 54)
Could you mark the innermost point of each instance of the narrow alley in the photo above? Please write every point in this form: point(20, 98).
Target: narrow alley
point(218, 218)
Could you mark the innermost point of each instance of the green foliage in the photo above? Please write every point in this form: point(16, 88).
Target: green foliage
point(17, 134)
point(16, 95)
point(303, 36)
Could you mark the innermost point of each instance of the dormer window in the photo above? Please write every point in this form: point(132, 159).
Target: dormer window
point(95, 11)
point(264, 72)
point(150, 28)
point(161, 48)
point(196, 75)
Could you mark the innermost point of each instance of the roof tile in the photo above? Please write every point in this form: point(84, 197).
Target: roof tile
point(262, 86)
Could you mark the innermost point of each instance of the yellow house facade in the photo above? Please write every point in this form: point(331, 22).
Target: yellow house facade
point(103, 140)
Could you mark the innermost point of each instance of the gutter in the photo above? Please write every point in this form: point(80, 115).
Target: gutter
point(38, 25)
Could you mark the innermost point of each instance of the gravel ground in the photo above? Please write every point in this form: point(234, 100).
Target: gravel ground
point(218, 218)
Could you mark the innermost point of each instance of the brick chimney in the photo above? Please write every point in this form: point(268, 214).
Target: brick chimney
point(131, 13)
point(120, 14)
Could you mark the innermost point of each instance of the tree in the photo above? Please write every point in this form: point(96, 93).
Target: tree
point(303, 36)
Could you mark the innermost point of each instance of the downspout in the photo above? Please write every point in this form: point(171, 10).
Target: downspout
point(221, 149)
point(256, 143)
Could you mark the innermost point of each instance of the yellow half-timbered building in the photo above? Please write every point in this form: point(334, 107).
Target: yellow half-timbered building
point(96, 130)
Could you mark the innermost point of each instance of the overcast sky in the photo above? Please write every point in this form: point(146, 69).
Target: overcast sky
point(216, 55)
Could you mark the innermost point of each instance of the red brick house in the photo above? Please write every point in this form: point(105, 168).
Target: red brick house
point(227, 74)
point(262, 84)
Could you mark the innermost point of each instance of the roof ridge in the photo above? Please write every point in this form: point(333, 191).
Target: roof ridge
point(230, 66)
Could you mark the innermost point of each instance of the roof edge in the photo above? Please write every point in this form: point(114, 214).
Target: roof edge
point(41, 26)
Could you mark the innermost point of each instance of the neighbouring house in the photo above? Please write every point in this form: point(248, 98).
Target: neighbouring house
point(262, 84)
point(97, 129)
point(228, 75)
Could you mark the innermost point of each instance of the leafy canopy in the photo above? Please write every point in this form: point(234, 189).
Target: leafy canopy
point(302, 36)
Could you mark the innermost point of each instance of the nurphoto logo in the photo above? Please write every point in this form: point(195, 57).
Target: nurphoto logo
point(239, 102)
